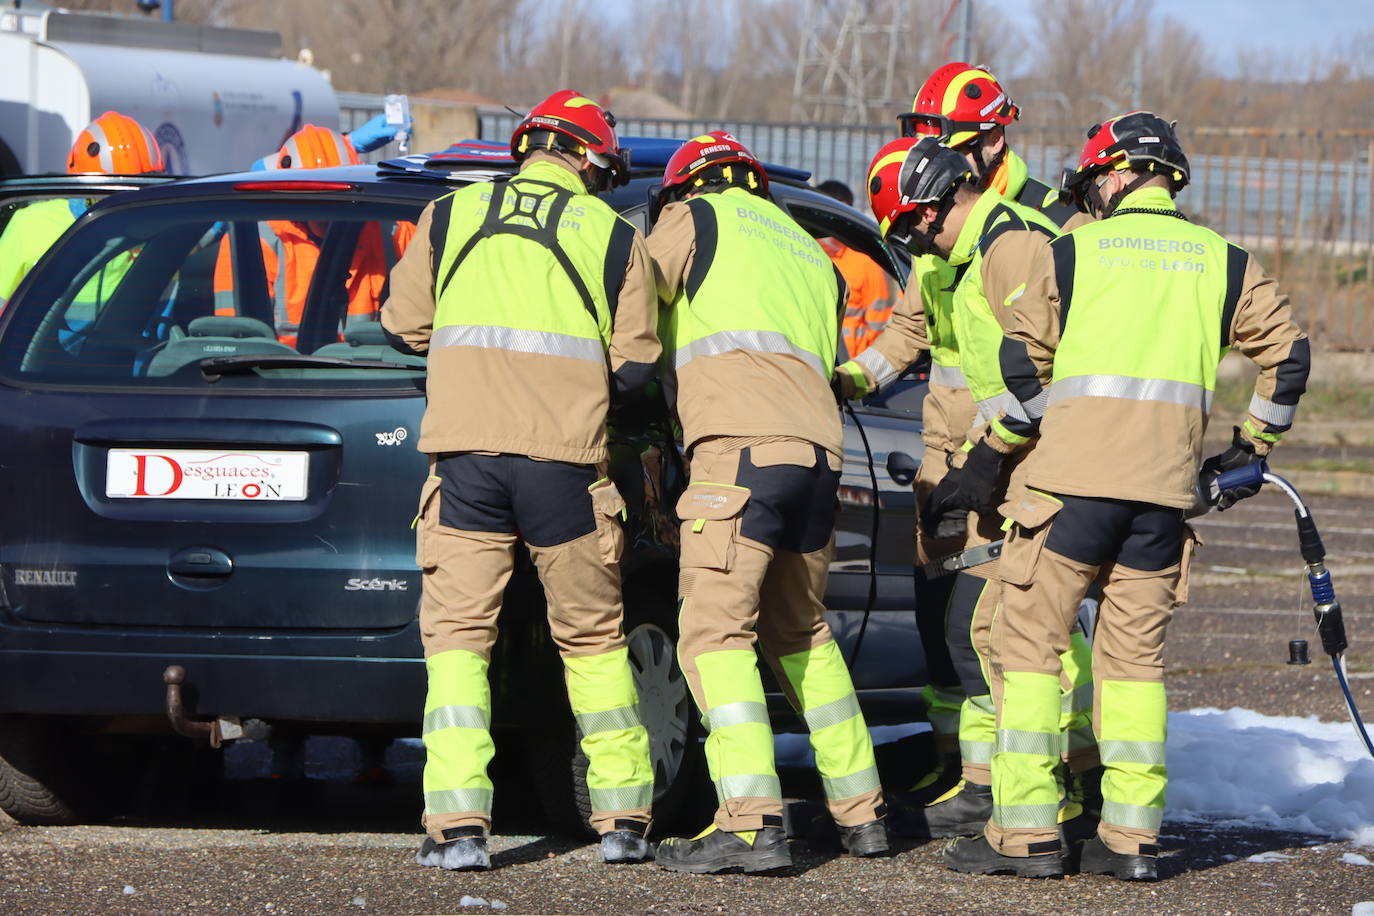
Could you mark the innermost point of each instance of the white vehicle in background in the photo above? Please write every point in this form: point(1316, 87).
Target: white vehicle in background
point(216, 99)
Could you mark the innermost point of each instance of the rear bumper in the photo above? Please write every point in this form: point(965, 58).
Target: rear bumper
point(276, 687)
point(360, 677)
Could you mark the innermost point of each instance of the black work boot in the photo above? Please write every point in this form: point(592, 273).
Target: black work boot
point(964, 812)
point(865, 840)
point(463, 849)
point(975, 856)
point(1081, 810)
point(626, 843)
point(1097, 859)
point(715, 850)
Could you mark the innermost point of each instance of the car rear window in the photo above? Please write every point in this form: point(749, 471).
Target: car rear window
point(289, 289)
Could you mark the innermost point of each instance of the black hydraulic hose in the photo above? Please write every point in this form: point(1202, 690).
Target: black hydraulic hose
point(1326, 607)
point(872, 540)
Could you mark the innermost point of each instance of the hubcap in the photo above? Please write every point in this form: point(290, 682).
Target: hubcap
point(663, 703)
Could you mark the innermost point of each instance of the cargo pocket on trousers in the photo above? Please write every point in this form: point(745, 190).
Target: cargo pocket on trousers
point(609, 508)
point(710, 514)
point(1031, 512)
point(426, 520)
point(1191, 541)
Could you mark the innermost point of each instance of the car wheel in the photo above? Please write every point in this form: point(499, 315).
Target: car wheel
point(666, 709)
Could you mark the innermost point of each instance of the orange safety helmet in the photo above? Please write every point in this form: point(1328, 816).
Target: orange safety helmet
point(958, 103)
point(314, 147)
point(573, 123)
point(114, 144)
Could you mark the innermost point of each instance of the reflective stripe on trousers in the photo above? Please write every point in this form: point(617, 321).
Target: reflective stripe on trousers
point(739, 746)
point(601, 691)
point(457, 742)
point(844, 751)
point(1134, 717)
point(1024, 789)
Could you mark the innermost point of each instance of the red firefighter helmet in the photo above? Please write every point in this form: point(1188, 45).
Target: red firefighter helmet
point(716, 157)
point(958, 103)
point(114, 144)
point(571, 122)
point(716, 150)
point(1135, 139)
point(885, 183)
point(314, 147)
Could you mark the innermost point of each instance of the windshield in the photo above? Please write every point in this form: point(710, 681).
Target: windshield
point(142, 295)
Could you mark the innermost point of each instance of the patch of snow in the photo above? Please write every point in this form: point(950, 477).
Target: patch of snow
point(1363, 909)
point(1262, 857)
point(472, 901)
point(498, 904)
point(128, 889)
point(1238, 768)
point(1354, 858)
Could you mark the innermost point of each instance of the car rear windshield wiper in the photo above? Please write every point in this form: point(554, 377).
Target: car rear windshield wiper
point(216, 366)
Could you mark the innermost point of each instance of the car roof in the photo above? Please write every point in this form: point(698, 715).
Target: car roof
point(424, 176)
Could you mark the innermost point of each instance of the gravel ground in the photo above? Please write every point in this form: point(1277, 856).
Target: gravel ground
point(327, 846)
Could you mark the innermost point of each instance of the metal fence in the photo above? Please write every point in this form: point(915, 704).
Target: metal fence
point(1303, 201)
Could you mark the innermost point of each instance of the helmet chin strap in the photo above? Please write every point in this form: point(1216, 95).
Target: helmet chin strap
point(595, 178)
point(919, 242)
point(984, 168)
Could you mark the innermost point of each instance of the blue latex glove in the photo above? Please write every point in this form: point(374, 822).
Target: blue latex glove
point(78, 205)
point(375, 134)
point(266, 163)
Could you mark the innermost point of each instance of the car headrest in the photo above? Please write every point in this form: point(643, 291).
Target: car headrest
point(366, 334)
point(229, 326)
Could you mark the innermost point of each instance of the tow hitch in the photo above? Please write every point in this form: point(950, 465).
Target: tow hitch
point(219, 732)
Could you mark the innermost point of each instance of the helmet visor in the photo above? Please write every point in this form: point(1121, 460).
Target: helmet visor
point(916, 124)
point(1075, 184)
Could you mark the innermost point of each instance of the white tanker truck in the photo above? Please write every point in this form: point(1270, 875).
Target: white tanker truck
point(216, 99)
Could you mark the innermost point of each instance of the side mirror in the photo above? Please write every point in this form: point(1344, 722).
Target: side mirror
point(901, 467)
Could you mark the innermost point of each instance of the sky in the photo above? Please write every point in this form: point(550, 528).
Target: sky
point(1227, 25)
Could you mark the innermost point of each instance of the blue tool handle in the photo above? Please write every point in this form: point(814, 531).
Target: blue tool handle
point(1252, 475)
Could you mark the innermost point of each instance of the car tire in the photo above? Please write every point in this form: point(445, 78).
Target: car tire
point(40, 782)
point(555, 757)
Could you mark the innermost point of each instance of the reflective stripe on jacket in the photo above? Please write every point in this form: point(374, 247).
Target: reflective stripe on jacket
point(752, 328)
point(527, 295)
point(1140, 309)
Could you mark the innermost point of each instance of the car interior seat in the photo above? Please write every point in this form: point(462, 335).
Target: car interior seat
point(216, 335)
point(367, 340)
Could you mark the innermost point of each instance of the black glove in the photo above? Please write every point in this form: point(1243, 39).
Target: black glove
point(970, 487)
point(1240, 454)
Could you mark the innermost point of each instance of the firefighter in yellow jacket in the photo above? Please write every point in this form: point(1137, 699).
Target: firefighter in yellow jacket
point(533, 301)
point(969, 110)
point(1113, 360)
point(750, 318)
point(925, 196)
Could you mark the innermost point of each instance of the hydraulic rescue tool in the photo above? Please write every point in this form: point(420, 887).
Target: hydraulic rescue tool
point(1326, 608)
